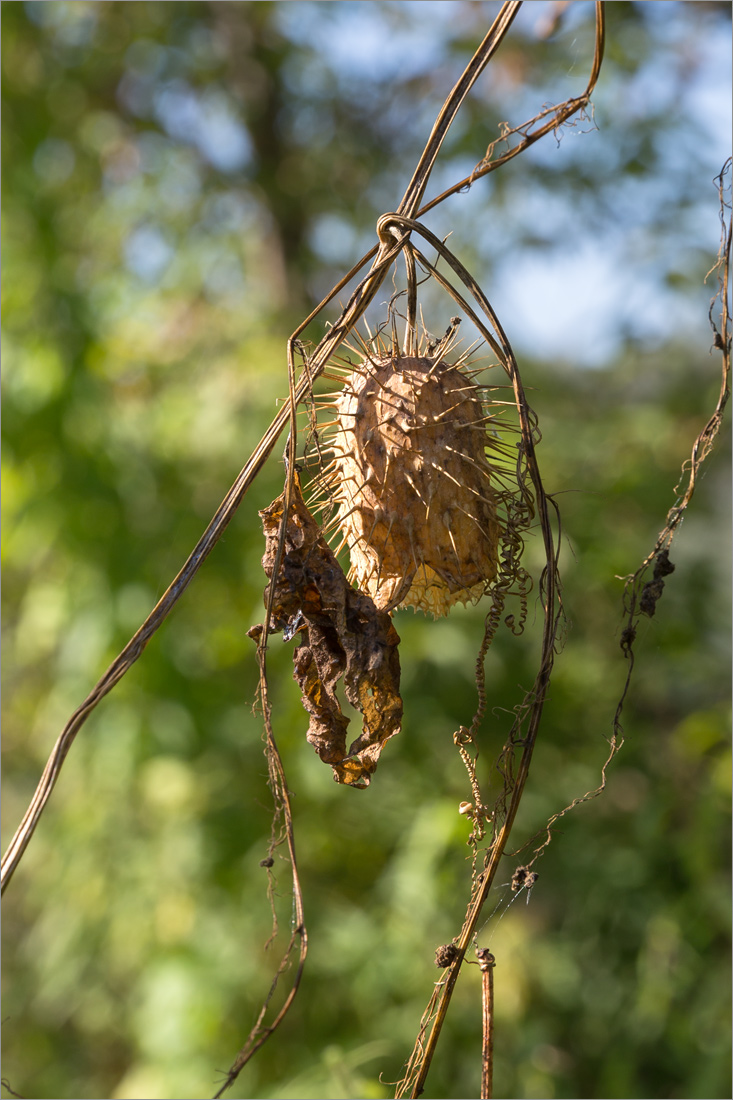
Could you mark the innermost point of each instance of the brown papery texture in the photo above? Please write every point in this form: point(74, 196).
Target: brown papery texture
point(413, 484)
point(341, 634)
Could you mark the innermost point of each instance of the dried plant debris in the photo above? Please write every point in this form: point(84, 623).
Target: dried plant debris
point(523, 878)
point(446, 955)
point(340, 633)
point(654, 588)
point(412, 482)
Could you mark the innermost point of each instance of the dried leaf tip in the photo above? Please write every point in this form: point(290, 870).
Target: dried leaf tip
point(341, 634)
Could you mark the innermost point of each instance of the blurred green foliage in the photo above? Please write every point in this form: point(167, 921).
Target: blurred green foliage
point(182, 182)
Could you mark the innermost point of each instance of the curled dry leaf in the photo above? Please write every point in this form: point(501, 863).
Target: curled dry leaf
point(341, 633)
point(413, 483)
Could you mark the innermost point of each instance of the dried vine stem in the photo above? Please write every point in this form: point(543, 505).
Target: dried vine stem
point(260, 1033)
point(487, 962)
point(283, 816)
point(526, 725)
point(554, 116)
point(635, 603)
point(635, 589)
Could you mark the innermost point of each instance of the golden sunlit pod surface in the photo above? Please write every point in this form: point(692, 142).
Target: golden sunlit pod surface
point(412, 483)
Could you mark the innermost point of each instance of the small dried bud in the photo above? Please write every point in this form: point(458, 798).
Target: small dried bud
point(485, 959)
point(649, 596)
point(267, 861)
point(663, 566)
point(445, 955)
point(523, 877)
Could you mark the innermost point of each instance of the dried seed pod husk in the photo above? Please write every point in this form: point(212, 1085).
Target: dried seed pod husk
point(413, 484)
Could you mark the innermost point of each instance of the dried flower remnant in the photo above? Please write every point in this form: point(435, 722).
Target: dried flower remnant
point(446, 955)
point(340, 634)
point(412, 482)
point(654, 588)
point(523, 879)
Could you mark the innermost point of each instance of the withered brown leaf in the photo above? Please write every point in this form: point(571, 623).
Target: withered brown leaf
point(341, 633)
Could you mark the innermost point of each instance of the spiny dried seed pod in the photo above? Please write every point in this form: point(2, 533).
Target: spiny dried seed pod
point(412, 483)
